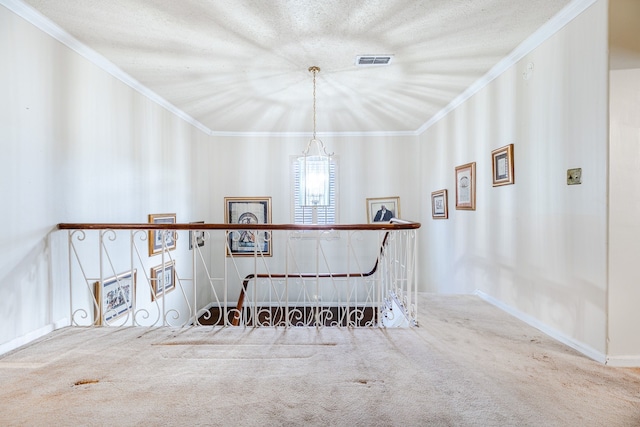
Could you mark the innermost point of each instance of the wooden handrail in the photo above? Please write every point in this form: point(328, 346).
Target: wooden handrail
point(249, 277)
point(404, 225)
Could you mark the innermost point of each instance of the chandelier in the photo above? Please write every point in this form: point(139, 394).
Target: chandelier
point(315, 165)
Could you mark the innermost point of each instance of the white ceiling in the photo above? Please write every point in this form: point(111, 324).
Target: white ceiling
point(242, 65)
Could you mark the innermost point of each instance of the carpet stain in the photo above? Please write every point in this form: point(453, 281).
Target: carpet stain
point(86, 381)
point(370, 383)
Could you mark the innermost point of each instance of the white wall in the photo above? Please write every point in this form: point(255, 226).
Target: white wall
point(369, 166)
point(372, 166)
point(77, 145)
point(624, 228)
point(538, 247)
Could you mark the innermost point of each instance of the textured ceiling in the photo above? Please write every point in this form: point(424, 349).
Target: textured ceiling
point(241, 65)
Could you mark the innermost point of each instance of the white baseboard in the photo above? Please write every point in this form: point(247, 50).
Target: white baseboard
point(553, 333)
point(32, 336)
point(623, 361)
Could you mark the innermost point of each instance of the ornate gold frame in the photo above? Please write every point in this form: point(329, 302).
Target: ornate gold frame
point(156, 236)
point(439, 205)
point(502, 165)
point(466, 186)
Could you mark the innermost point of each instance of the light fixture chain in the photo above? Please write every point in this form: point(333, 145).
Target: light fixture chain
point(319, 144)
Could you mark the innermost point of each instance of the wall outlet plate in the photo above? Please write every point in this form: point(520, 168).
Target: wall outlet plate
point(574, 176)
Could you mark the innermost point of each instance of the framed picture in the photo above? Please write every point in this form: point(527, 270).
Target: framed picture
point(251, 210)
point(502, 165)
point(466, 186)
point(156, 237)
point(196, 236)
point(163, 279)
point(114, 296)
point(439, 205)
point(382, 209)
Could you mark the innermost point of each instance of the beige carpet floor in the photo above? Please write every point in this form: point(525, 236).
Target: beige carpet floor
point(467, 364)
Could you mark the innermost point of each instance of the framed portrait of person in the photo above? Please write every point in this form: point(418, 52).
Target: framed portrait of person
point(382, 209)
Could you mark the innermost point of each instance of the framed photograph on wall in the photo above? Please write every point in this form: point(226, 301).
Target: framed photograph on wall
point(382, 209)
point(114, 297)
point(248, 210)
point(439, 205)
point(502, 165)
point(163, 279)
point(196, 236)
point(466, 186)
point(162, 239)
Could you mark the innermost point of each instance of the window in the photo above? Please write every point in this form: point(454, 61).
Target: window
point(305, 214)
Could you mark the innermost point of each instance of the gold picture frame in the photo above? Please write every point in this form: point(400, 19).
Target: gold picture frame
point(502, 166)
point(163, 279)
point(466, 186)
point(114, 297)
point(382, 209)
point(439, 205)
point(248, 210)
point(162, 239)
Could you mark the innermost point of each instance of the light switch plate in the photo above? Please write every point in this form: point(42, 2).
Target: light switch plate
point(574, 176)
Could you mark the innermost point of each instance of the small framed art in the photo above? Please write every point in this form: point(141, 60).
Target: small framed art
point(382, 209)
point(502, 165)
point(466, 186)
point(115, 296)
point(196, 236)
point(248, 210)
point(162, 239)
point(439, 205)
point(163, 279)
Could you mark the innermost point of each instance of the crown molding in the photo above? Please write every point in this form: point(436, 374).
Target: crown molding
point(552, 26)
point(309, 134)
point(566, 15)
point(43, 23)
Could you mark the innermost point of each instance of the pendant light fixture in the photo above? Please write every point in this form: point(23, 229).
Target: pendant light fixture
point(315, 165)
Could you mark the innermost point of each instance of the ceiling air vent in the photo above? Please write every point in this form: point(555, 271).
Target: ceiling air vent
point(368, 60)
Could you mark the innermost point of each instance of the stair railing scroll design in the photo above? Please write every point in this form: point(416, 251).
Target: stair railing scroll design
point(317, 276)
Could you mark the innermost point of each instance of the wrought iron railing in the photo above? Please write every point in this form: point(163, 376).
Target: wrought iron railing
point(195, 274)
